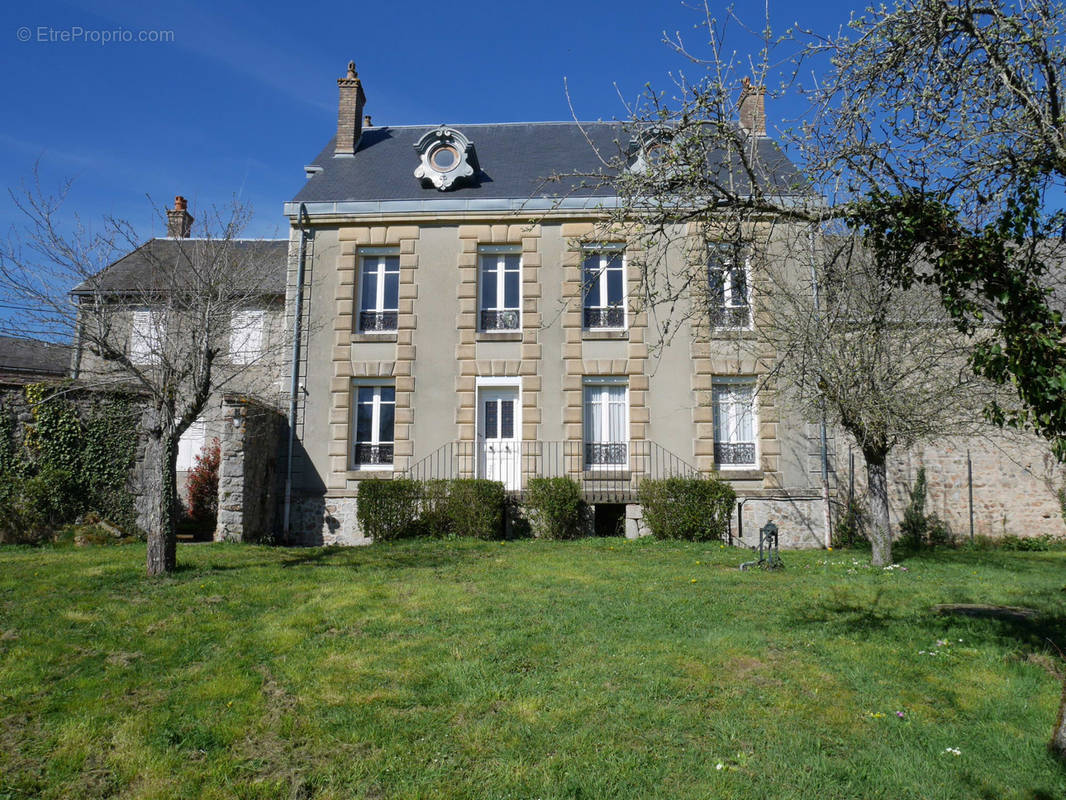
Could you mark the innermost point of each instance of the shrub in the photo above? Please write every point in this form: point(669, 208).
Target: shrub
point(937, 532)
point(202, 484)
point(696, 509)
point(475, 508)
point(555, 508)
point(850, 530)
point(31, 509)
point(1028, 543)
point(434, 518)
point(915, 525)
point(388, 509)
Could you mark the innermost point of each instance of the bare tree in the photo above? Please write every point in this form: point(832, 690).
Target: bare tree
point(176, 319)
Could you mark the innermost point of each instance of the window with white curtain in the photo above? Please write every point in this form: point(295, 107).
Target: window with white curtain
point(727, 282)
point(373, 418)
point(379, 290)
point(146, 337)
point(606, 423)
point(246, 336)
point(603, 286)
point(499, 288)
point(734, 421)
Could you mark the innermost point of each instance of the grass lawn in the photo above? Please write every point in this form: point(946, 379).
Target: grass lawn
point(460, 669)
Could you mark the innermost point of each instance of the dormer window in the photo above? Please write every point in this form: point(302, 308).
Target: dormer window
point(648, 150)
point(447, 159)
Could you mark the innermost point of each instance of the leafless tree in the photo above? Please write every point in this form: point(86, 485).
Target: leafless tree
point(185, 324)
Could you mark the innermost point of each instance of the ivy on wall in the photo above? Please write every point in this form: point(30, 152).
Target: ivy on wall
point(75, 456)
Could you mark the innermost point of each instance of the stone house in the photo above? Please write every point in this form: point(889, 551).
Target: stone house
point(135, 294)
point(463, 316)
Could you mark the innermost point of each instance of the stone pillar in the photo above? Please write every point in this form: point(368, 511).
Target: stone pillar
point(247, 471)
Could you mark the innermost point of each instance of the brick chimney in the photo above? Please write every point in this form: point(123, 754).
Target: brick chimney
point(349, 112)
point(752, 108)
point(179, 221)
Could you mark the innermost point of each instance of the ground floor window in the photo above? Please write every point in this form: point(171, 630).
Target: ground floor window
point(734, 421)
point(373, 415)
point(606, 426)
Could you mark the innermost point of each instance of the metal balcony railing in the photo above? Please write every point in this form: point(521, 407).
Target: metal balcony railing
point(505, 320)
point(377, 321)
point(606, 473)
point(614, 317)
point(372, 454)
point(734, 453)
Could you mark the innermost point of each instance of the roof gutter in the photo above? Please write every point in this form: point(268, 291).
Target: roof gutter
point(294, 387)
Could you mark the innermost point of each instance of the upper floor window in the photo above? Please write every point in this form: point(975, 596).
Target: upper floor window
point(603, 282)
point(499, 288)
point(246, 336)
point(373, 419)
point(146, 337)
point(734, 421)
point(606, 428)
point(727, 281)
point(379, 290)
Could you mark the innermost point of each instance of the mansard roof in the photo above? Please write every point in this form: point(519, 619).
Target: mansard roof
point(531, 165)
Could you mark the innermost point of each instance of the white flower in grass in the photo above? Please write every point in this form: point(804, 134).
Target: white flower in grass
point(953, 750)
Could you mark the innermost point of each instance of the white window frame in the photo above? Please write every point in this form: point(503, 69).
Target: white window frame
point(147, 336)
point(375, 424)
point(605, 252)
point(592, 383)
point(749, 382)
point(485, 253)
point(246, 335)
point(376, 256)
point(191, 444)
point(725, 266)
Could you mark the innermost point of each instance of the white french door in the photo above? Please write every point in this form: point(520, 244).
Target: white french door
point(499, 435)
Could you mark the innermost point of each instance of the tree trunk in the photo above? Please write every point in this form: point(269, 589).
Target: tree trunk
point(880, 532)
point(1058, 737)
point(161, 483)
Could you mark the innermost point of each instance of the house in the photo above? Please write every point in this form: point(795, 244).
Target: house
point(25, 360)
point(146, 307)
point(461, 315)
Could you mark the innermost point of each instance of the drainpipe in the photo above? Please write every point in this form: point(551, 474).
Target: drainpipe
point(826, 515)
point(294, 388)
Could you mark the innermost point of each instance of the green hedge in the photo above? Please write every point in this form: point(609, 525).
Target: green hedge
point(388, 509)
point(475, 508)
point(696, 509)
point(555, 508)
point(401, 507)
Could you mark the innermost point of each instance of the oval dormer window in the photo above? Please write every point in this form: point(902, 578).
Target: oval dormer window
point(446, 159)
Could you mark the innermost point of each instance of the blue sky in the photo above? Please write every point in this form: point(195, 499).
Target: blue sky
point(245, 93)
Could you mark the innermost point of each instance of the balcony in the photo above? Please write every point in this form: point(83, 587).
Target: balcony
point(734, 454)
point(505, 320)
point(365, 455)
point(614, 317)
point(377, 321)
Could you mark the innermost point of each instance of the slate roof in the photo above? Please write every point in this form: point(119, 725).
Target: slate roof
point(515, 160)
point(33, 356)
point(138, 270)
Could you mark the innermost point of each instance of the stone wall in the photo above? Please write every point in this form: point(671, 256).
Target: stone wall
point(247, 478)
point(1016, 484)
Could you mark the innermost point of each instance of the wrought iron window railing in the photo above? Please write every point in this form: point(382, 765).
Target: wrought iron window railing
point(503, 320)
point(734, 453)
point(613, 317)
point(374, 321)
point(730, 316)
point(373, 454)
point(601, 453)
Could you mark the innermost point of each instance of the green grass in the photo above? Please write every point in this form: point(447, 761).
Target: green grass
point(459, 669)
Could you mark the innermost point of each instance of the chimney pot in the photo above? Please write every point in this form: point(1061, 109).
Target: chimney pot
point(349, 112)
point(179, 220)
point(752, 108)
point(366, 122)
